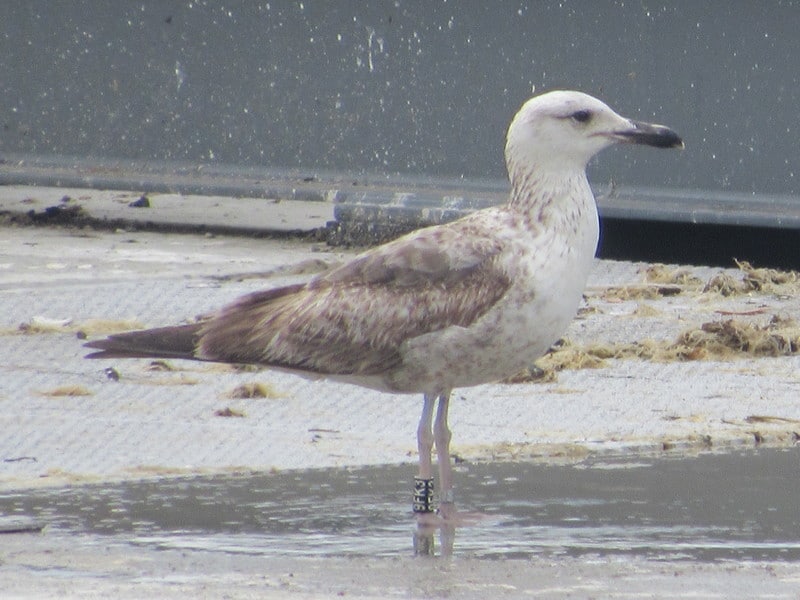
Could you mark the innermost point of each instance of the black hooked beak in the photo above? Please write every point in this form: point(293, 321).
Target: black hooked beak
point(650, 135)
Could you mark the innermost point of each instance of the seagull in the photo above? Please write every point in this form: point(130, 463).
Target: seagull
point(455, 305)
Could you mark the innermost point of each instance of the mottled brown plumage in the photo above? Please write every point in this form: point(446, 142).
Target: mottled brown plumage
point(428, 281)
point(433, 280)
point(454, 305)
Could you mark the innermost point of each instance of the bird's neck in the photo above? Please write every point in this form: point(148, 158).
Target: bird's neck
point(557, 200)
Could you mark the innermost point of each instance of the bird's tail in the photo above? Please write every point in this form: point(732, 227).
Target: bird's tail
point(164, 342)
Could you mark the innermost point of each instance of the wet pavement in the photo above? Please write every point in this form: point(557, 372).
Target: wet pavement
point(704, 518)
point(740, 506)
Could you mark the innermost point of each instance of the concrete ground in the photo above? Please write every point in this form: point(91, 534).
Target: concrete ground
point(672, 360)
point(115, 571)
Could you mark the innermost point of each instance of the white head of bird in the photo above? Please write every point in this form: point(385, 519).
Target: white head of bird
point(563, 130)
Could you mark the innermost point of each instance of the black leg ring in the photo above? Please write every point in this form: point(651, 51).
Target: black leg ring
point(423, 495)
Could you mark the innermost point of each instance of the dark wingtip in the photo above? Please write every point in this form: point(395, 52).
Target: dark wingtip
point(164, 342)
point(100, 344)
point(108, 354)
point(112, 352)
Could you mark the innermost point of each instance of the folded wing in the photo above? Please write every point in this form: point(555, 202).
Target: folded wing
point(352, 320)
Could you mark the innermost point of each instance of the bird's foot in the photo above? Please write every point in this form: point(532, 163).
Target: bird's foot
point(427, 513)
point(448, 515)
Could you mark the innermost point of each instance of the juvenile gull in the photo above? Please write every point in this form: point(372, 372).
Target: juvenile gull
point(460, 304)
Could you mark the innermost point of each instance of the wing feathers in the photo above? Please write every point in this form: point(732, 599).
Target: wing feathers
point(352, 320)
point(348, 329)
point(164, 342)
point(436, 254)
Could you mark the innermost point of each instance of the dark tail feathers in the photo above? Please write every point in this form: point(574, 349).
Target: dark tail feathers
point(165, 342)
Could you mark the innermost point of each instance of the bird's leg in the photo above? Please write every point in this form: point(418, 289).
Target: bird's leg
point(441, 437)
point(423, 483)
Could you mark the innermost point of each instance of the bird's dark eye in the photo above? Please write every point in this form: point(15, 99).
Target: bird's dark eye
point(582, 116)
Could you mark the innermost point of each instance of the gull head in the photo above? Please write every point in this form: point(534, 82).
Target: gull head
point(562, 130)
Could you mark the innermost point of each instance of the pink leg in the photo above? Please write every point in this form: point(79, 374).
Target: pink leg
point(441, 436)
point(425, 438)
point(423, 483)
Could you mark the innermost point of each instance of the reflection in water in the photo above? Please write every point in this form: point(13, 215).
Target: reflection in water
point(424, 539)
point(703, 508)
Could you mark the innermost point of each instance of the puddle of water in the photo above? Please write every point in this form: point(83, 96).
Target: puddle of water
point(711, 507)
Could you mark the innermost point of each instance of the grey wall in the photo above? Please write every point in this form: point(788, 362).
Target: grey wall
point(412, 87)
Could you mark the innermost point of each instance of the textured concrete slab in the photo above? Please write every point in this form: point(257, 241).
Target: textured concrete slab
point(166, 210)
